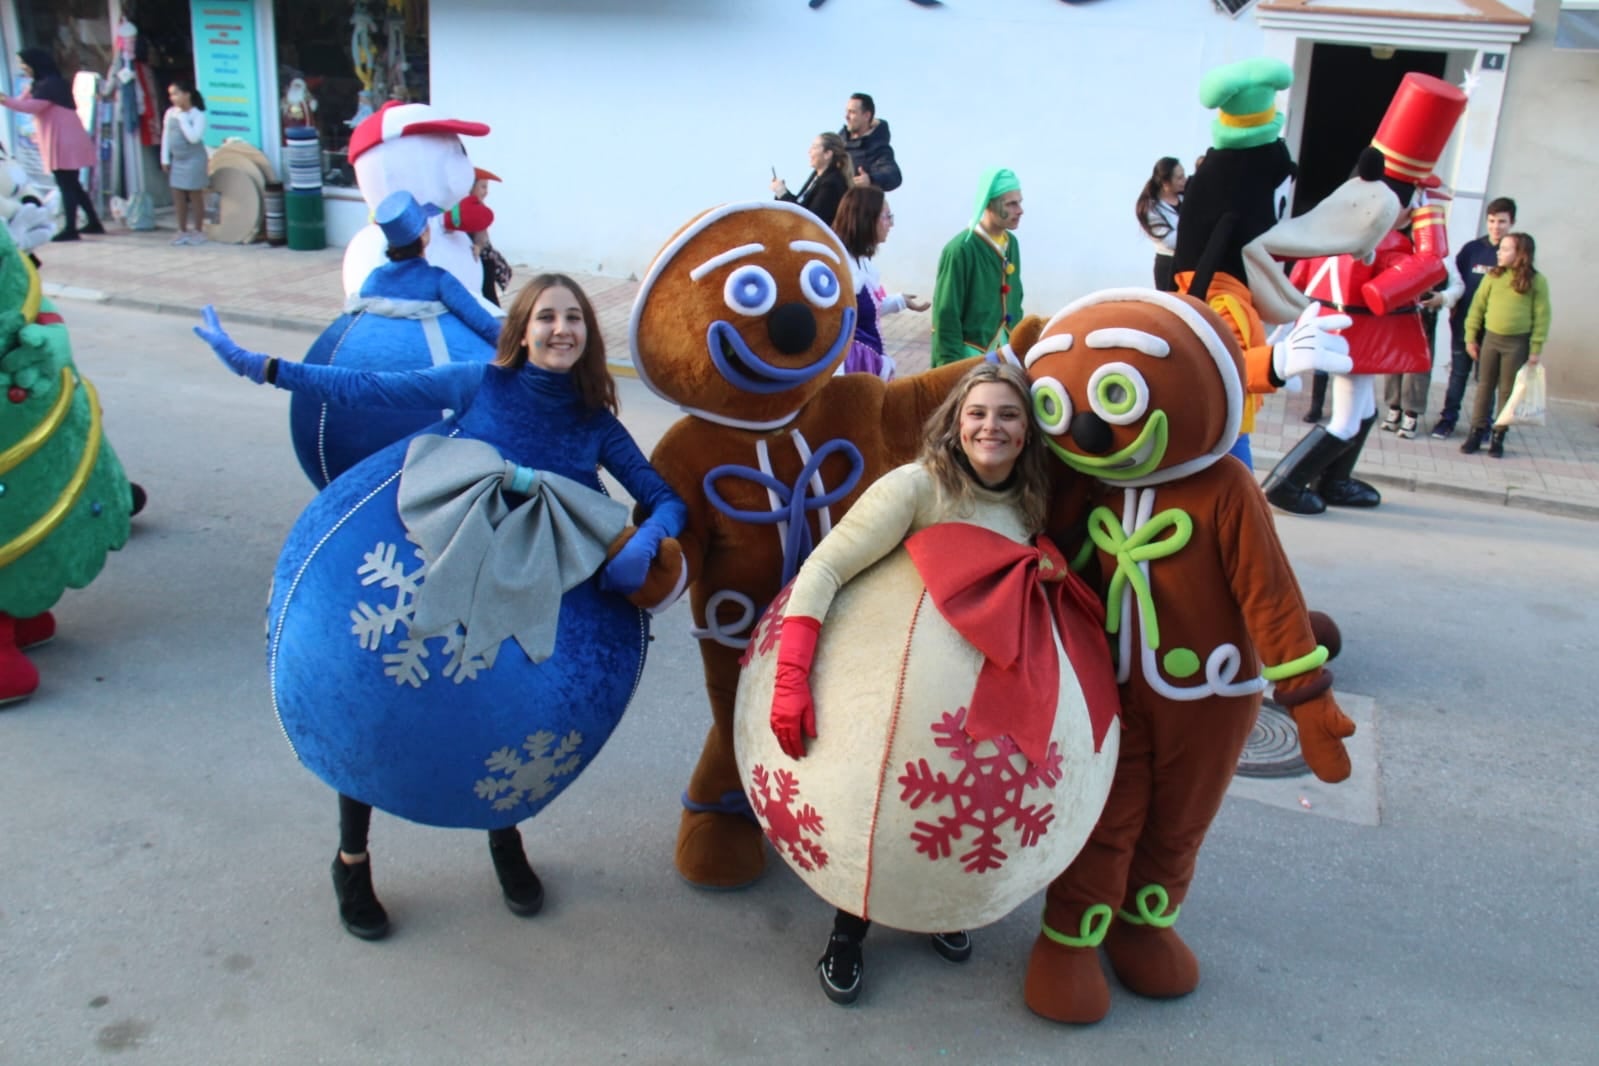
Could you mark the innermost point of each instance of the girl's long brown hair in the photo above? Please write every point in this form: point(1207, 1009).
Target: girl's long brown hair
point(1521, 268)
point(941, 445)
point(591, 375)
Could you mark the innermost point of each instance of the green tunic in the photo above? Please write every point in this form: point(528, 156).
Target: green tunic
point(971, 312)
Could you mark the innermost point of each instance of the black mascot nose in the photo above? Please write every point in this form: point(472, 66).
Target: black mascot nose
point(1091, 433)
point(792, 328)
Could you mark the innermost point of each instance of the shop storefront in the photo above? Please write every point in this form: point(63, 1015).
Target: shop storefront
point(264, 67)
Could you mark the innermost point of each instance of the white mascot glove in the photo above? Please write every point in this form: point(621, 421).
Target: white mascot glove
point(1312, 345)
point(31, 226)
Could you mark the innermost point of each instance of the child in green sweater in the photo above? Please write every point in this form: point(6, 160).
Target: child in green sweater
point(1505, 329)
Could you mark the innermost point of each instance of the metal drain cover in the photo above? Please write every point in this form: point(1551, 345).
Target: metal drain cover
point(1272, 749)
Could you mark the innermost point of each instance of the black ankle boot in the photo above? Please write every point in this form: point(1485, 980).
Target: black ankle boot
point(359, 909)
point(1496, 444)
point(523, 892)
point(1288, 484)
point(1473, 442)
point(1338, 487)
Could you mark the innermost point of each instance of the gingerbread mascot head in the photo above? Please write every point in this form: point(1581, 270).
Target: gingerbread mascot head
point(745, 314)
point(1136, 387)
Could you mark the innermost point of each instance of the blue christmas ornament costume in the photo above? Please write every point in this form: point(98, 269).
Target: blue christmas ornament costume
point(413, 700)
point(409, 315)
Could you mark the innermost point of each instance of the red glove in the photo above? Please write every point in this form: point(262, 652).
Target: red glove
point(1322, 729)
point(793, 712)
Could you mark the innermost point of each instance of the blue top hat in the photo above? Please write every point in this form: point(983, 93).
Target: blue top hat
point(402, 219)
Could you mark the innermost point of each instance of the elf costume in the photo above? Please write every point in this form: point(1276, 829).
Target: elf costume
point(978, 294)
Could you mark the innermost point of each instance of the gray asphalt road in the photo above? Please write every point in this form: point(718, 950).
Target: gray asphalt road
point(164, 892)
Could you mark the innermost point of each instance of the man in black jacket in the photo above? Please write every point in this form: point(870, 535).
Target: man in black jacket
point(867, 141)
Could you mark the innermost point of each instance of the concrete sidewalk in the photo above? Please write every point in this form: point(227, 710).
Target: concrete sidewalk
point(1553, 468)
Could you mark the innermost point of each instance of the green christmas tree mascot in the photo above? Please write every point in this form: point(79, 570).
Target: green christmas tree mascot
point(64, 501)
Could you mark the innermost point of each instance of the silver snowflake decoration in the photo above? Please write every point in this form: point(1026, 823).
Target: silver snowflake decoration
point(533, 778)
point(370, 625)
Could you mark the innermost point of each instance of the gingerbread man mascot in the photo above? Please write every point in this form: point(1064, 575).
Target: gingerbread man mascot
point(741, 320)
point(1143, 392)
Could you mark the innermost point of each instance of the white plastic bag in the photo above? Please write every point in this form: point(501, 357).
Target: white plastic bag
point(1525, 406)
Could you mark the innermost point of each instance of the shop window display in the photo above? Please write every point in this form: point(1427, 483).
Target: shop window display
point(339, 61)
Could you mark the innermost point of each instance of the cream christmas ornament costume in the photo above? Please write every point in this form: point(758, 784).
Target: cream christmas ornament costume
point(944, 787)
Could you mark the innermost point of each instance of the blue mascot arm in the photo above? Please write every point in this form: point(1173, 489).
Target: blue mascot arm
point(619, 455)
point(465, 306)
point(435, 388)
point(450, 386)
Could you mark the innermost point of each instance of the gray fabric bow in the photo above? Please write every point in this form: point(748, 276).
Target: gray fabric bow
point(497, 571)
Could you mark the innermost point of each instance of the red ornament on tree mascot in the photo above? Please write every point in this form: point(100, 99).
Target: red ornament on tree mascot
point(741, 321)
point(1381, 296)
point(1143, 392)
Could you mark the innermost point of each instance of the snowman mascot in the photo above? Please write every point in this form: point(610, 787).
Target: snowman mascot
point(414, 148)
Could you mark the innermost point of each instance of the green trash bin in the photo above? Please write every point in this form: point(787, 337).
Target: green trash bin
point(302, 213)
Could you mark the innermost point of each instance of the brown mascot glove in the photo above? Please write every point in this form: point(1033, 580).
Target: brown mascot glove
point(664, 580)
point(1322, 729)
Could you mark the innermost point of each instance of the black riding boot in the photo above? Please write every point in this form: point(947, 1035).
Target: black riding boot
point(1338, 487)
point(1318, 396)
point(1288, 484)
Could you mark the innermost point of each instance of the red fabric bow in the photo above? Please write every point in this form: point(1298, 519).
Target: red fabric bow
point(1001, 596)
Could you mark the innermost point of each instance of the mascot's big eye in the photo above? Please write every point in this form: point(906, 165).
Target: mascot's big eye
point(1118, 394)
point(750, 290)
point(1282, 201)
point(1052, 405)
point(819, 283)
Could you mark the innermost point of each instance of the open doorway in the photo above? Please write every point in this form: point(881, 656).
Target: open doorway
point(1349, 90)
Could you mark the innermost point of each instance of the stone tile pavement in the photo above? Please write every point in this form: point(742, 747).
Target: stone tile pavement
point(1553, 468)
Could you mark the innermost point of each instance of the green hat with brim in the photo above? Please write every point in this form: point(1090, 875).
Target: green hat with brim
point(1245, 93)
point(997, 181)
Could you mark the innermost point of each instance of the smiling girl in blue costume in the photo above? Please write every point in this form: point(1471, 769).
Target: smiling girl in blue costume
point(547, 401)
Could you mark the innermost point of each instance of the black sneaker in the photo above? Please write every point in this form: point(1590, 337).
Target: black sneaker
point(523, 892)
point(93, 229)
point(359, 909)
point(954, 947)
point(840, 969)
point(1444, 429)
point(65, 236)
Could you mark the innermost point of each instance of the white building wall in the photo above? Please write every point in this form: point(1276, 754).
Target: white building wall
point(615, 121)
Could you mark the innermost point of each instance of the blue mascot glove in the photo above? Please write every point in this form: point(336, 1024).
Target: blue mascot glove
point(246, 364)
point(627, 569)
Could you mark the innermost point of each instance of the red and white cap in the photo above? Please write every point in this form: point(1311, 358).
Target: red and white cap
point(395, 120)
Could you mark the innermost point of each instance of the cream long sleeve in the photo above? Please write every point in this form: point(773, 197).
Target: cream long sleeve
point(901, 502)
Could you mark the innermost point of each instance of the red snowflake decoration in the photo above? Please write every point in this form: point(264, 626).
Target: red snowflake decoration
point(785, 826)
point(768, 628)
point(986, 795)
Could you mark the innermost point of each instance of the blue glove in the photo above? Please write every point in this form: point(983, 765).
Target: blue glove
point(627, 569)
point(246, 364)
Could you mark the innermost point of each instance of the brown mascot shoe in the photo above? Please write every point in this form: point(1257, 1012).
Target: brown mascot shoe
point(1151, 961)
point(720, 851)
point(1066, 984)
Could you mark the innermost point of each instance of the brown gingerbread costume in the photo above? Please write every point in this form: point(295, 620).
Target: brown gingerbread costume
point(1143, 392)
point(741, 321)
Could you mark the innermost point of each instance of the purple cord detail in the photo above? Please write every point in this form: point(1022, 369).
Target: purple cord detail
point(794, 500)
point(735, 802)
